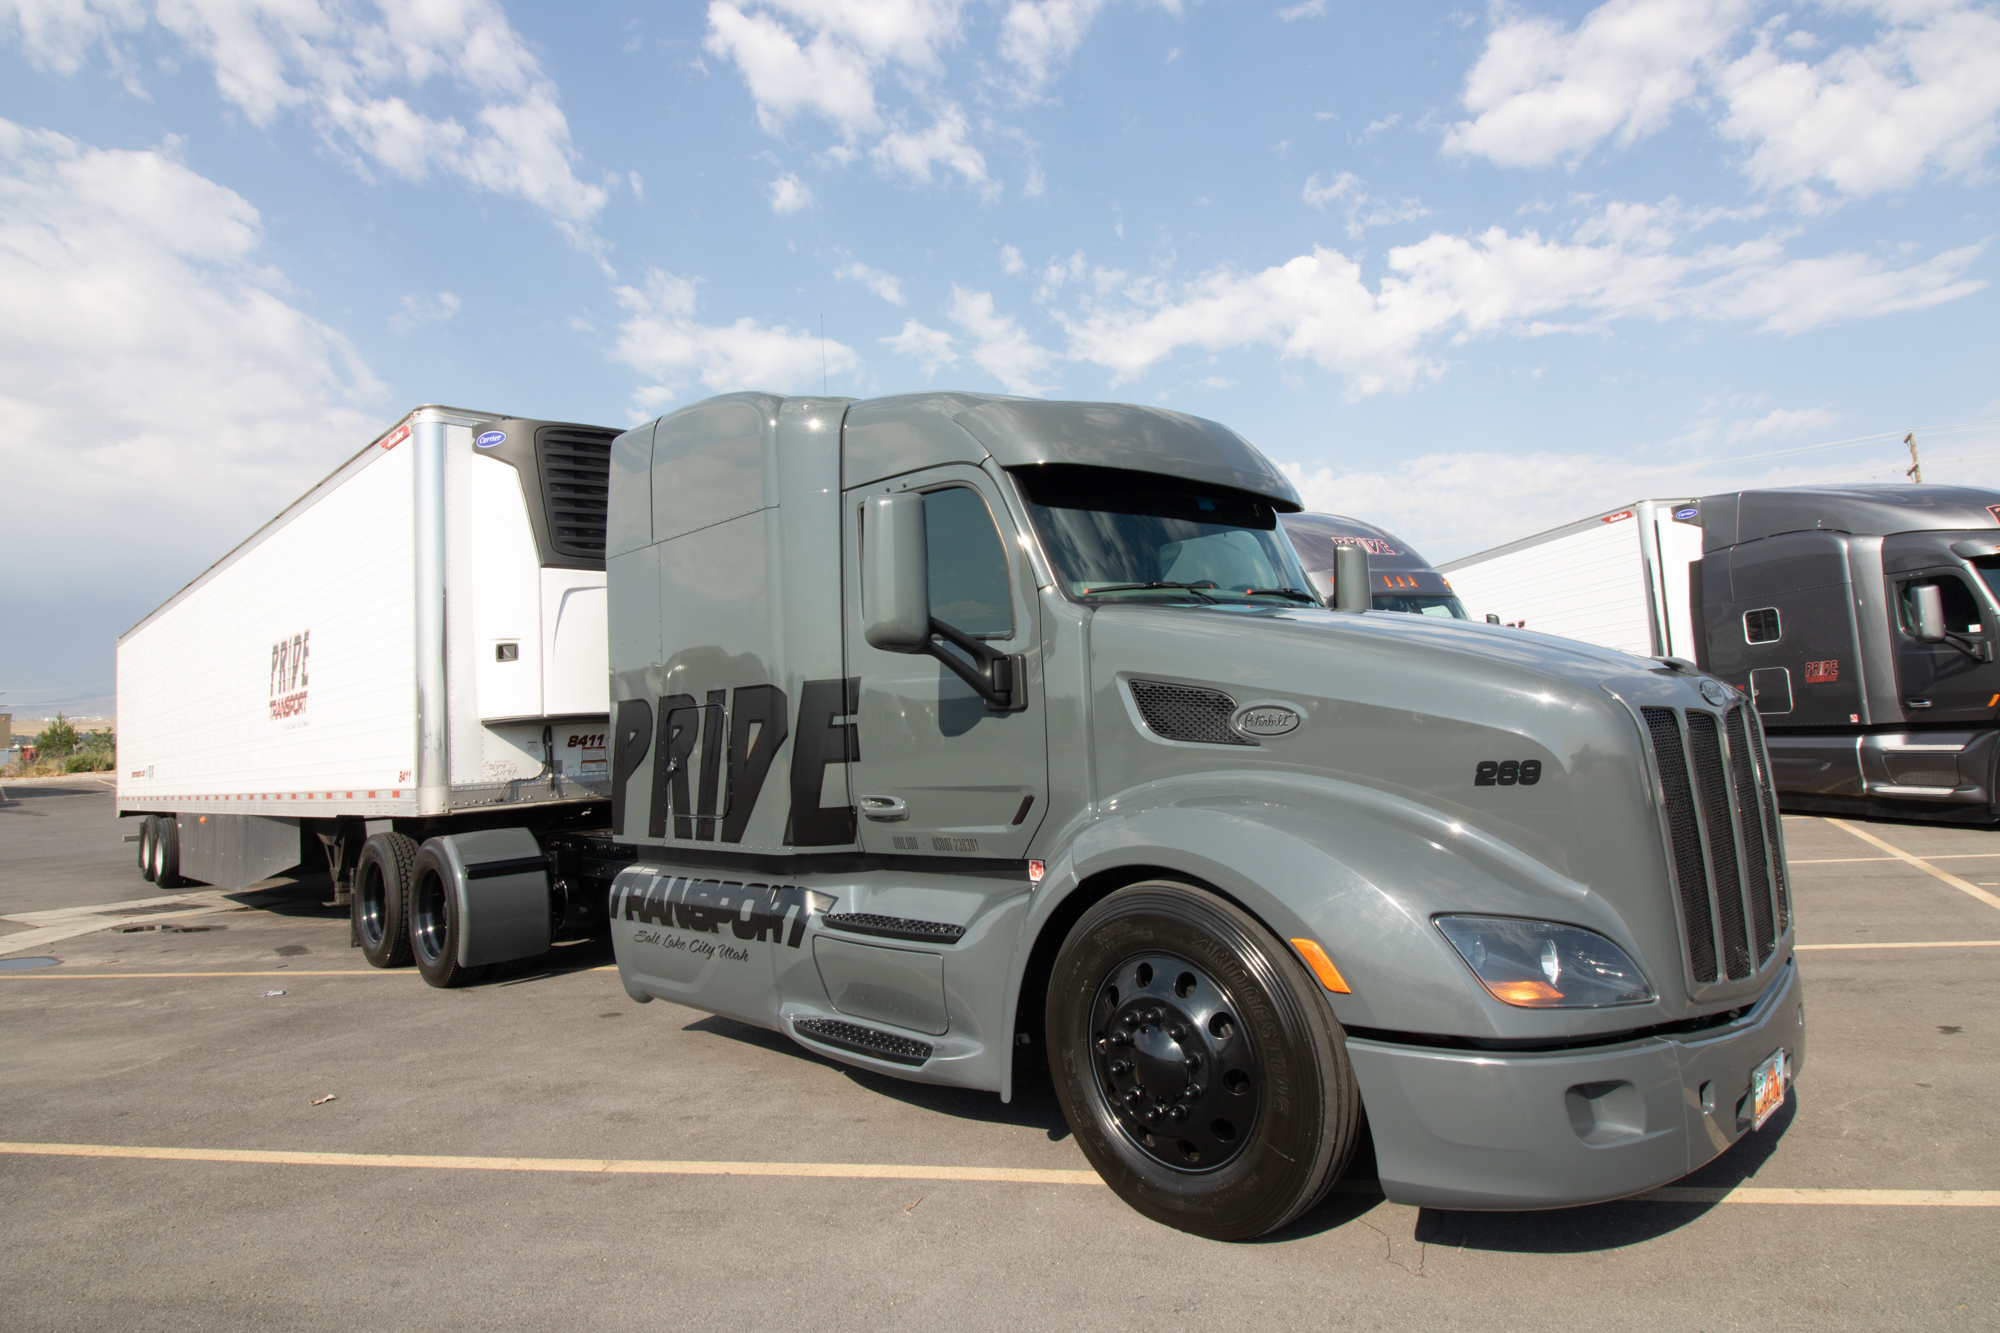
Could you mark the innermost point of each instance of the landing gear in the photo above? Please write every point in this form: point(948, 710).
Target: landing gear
point(1174, 1022)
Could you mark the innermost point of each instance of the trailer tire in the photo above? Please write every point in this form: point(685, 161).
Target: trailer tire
point(167, 853)
point(148, 831)
point(1174, 1020)
point(435, 925)
point(382, 898)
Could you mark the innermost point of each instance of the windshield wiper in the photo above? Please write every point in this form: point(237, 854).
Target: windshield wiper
point(1293, 593)
point(1200, 590)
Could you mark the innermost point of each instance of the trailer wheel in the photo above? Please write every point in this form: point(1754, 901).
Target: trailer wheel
point(166, 859)
point(1202, 1071)
point(435, 927)
point(148, 831)
point(382, 898)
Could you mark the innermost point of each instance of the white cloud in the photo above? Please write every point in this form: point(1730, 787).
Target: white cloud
point(1002, 348)
point(1309, 9)
point(352, 76)
point(789, 194)
point(1038, 36)
point(1919, 98)
point(1542, 93)
point(928, 347)
point(152, 367)
point(875, 280)
point(944, 143)
point(1922, 97)
point(1782, 424)
point(661, 338)
point(823, 56)
point(1363, 210)
point(417, 311)
point(1621, 265)
point(1011, 262)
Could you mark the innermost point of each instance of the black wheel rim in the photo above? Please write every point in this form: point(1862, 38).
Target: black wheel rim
point(431, 931)
point(374, 907)
point(1175, 1067)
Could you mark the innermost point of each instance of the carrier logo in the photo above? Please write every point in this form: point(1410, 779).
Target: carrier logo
point(491, 438)
point(1687, 515)
point(1823, 673)
point(1265, 720)
point(288, 675)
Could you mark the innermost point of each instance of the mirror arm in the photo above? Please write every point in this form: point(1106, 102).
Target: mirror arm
point(996, 677)
point(1976, 649)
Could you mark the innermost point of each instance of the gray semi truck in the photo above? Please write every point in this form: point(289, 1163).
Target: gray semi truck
point(1397, 578)
point(950, 735)
point(1862, 620)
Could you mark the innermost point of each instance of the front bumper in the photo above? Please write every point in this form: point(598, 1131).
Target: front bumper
point(1509, 1129)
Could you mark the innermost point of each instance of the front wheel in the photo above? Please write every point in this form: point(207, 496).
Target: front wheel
point(1203, 1073)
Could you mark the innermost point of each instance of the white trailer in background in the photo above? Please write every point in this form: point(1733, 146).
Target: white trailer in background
point(1618, 579)
point(317, 677)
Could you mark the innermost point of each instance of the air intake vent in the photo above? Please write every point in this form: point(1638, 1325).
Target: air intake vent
point(1187, 713)
point(576, 473)
point(1722, 827)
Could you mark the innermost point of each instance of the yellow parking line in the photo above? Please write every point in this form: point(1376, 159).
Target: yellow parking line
point(1012, 1175)
point(582, 1165)
point(1919, 862)
point(1921, 944)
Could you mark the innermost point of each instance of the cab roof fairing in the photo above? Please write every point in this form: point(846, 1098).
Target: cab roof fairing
point(1878, 510)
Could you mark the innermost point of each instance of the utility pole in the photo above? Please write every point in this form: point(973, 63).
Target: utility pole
point(1915, 471)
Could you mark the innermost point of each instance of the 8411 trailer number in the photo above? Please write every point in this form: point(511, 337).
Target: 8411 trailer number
point(1507, 773)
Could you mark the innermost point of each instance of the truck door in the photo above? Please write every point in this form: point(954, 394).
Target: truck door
point(940, 773)
point(1941, 682)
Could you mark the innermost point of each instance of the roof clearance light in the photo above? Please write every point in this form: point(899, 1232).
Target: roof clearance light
point(1322, 966)
point(1544, 965)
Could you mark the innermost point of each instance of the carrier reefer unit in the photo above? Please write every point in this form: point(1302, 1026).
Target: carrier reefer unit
point(1618, 579)
point(1397, 578)
point(420, 638)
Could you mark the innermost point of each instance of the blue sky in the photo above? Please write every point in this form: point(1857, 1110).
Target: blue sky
point(1470, 272)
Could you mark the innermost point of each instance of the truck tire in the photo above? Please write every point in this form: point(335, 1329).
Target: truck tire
point(167, 853)
point(1174, 1018)
point(382, 898)
point(435, 928)
point(147, 832)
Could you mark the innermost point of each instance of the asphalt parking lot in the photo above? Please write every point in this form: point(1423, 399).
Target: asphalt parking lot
point(196, 1121)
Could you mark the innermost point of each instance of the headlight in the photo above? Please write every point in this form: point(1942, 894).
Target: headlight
point(1542, 965)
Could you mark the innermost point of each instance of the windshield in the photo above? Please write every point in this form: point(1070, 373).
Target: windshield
point(1114, 534)
point(1422, 606)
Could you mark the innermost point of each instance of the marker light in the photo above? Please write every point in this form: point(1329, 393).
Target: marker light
point(1035, 872)
point(1543, 965)
point(1322, 966)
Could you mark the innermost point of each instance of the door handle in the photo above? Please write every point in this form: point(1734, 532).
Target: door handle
point(884, 809)
point(1916, 703)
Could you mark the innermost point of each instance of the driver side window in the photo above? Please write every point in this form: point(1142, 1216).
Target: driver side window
point(1962, 614)
point(968, 564)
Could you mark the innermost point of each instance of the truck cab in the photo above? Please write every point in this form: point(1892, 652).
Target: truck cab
point(952, 730)
point(1399, 579)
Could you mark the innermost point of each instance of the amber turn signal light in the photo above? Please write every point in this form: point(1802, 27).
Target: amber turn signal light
point(1322, 967)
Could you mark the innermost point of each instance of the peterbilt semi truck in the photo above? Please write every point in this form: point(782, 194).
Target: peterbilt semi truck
point(954, 734)
point(1397, 578)
point(1860, 620)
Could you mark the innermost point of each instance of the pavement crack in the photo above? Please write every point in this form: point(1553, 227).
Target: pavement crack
point(1389, 1249)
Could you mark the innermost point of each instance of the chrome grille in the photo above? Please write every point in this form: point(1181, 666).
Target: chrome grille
point(1723, 837)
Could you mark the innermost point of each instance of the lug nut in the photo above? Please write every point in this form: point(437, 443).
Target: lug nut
point(1192, 1063)
point(1134, 1097)
point(1178, 1032)
point(1118, 1039)
point(1194, 1091)
point(1119, 1069)
point(1179, 1113)
point(1155, 1014)
point(1131, 1018)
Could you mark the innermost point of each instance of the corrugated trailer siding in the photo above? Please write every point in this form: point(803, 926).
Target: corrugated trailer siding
point(195, 682)
point(1589, 584)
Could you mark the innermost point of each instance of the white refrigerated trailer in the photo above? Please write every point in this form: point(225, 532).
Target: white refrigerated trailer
point(318, 677)
point(1616, 579)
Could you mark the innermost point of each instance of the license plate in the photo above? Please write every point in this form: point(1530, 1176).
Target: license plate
point(1767, 1088)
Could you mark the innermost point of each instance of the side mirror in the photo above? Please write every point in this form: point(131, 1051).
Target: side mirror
point(1492, 619)
point(1928, 602)
point(1351, 580)
point(895, 573)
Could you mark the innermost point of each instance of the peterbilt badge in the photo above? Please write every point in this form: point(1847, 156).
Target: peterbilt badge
point(1264, 720)
point(1715, 692)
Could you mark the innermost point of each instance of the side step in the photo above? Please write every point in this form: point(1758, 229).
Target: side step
point(894, 927)
point(865, 1041)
